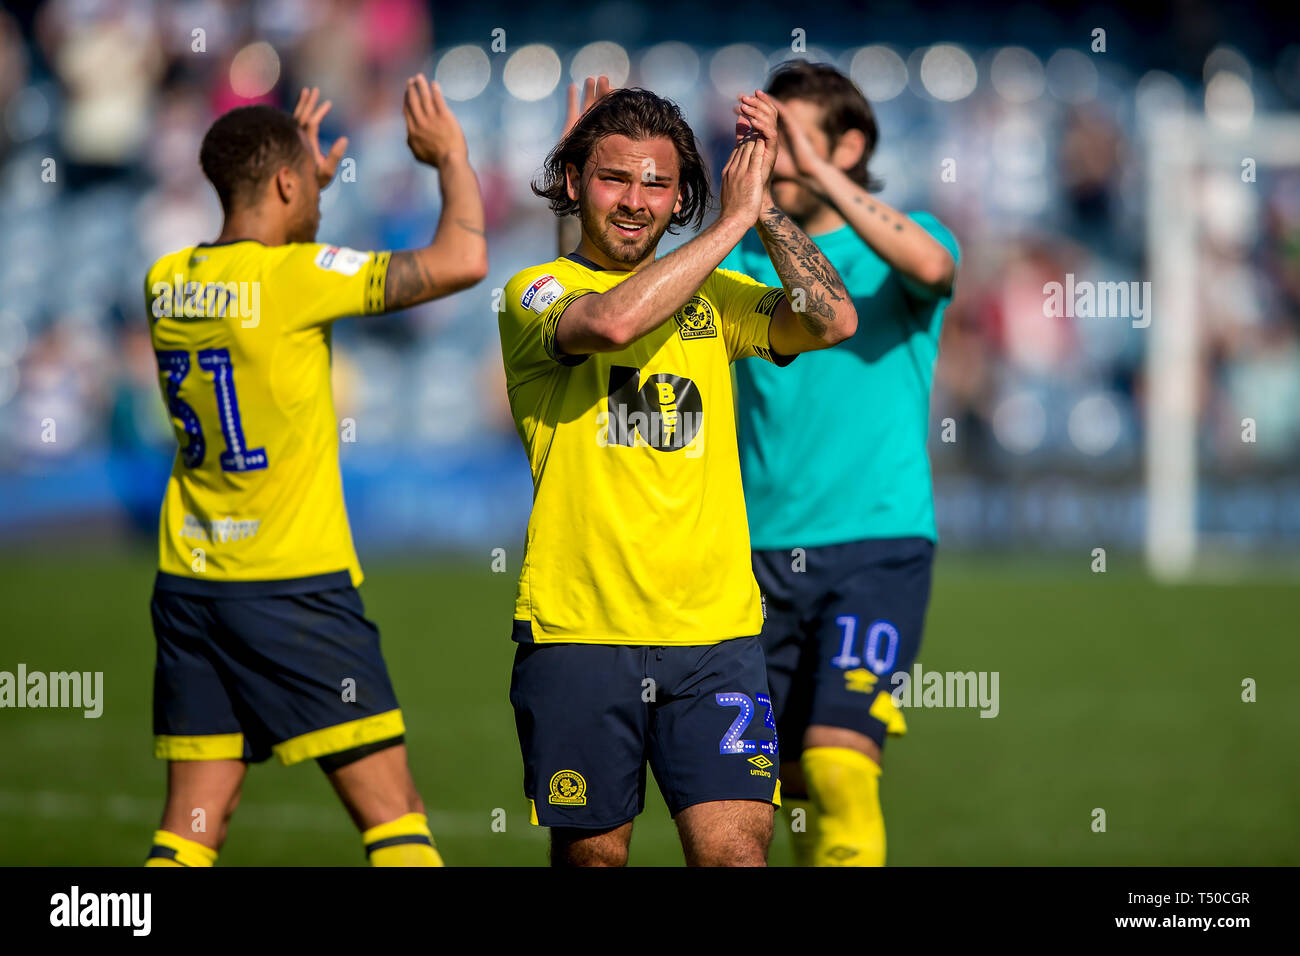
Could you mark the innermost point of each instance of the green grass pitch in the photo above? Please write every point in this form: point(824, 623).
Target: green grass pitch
point(1115, 693)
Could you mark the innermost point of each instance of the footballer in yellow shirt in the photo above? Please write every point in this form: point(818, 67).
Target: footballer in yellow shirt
point(637, 610)
point(262, 641)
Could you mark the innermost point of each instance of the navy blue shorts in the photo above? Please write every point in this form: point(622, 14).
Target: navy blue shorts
point(590, 716)
point(836, 631)
point(297, 675)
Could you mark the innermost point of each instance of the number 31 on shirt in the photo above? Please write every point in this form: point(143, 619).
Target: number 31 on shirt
point(237, 456)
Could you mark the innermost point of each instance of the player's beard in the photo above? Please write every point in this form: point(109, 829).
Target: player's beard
point(629, 252)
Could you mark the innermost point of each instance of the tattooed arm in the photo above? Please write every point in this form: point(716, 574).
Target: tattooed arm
point(456, 258)
point(816, 312)
point(925, 267)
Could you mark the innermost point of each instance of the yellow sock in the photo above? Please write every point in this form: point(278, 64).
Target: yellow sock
point(405, 841)
point(845, 786)
point(171, 850)
point(803, 829)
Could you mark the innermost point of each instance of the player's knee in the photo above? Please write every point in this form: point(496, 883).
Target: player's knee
point(748, 851)
point(740, 846)
point(580, 848)
point(740, 836)
point(580, 856)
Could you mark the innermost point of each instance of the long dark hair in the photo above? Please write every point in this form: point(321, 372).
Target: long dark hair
point(636, 114)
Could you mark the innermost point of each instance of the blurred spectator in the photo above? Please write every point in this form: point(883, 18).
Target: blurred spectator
point(1047, 184)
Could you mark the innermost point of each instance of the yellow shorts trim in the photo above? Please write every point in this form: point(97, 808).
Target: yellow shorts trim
point(886, 711)
point(200, 747)
point(776, 794)
point(532, 814)
point(345, 736)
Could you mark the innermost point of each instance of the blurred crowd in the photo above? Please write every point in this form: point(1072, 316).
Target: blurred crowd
point(1034, 158)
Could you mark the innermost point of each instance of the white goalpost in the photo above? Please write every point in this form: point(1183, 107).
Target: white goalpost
point(1178, 146)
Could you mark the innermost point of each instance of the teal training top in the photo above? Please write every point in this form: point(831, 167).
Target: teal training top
point(833, 447)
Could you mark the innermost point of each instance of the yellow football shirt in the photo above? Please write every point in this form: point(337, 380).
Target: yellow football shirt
point(638, 532)
point(242, 335)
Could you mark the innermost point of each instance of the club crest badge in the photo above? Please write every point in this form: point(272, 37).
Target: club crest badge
point(695, 319)
point(568, 789)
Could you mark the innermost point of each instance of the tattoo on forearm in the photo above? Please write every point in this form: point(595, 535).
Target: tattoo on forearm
point(408, 282)
point(871, 208)
point(469, 226)
point(801, 265)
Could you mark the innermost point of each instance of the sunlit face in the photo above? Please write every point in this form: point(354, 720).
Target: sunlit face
point(304, 210)
point(793, 198)
point(627, 195)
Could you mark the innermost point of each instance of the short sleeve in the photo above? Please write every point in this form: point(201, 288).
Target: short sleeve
point(535, 299)
point(931, 310)
point(319, 283)
point(746, 307)
point(941, 233)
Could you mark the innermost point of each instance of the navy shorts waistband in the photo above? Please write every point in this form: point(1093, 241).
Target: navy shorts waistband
point(203, 587)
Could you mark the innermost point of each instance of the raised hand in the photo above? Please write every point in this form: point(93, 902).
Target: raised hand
point(795, 142)
point(308, 115)
point(592, 90)
point(757, 120)
point(432, 132)
point(744, 181)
